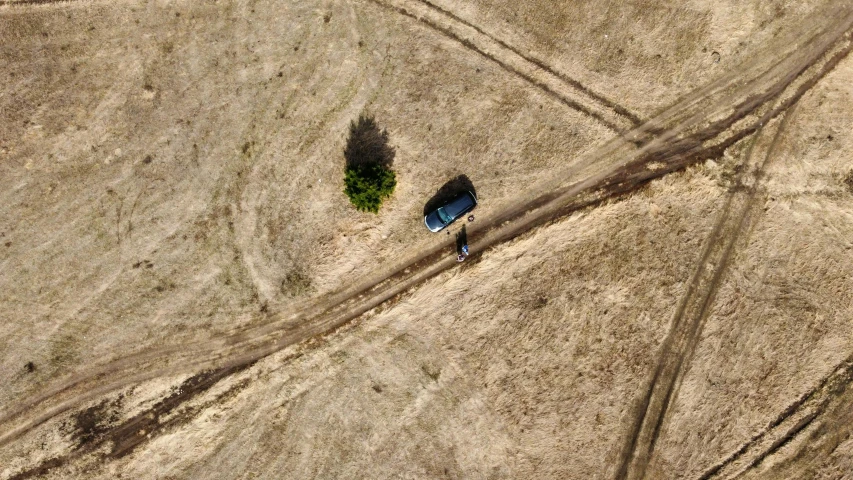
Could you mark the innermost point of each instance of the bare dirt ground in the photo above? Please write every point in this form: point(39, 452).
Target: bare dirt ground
point(661, 278)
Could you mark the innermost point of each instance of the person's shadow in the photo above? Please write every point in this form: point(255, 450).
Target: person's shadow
point(461, 240)
point(448, 191)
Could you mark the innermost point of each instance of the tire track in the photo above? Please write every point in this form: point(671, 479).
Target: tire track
point(329, 116)
point(692, 311)
point(712, 142)
point(652, 406)
point(824, 429)
point(128, 435)
point(616, 168)
point(796, 418)
point(603, 101)
point(567, 91)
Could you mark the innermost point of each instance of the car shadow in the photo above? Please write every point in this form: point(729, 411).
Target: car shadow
point(448, 191)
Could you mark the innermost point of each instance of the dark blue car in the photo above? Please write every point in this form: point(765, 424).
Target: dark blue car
point(447, 214)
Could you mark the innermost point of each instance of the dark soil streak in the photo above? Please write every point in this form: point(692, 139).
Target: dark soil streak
point(92, 423)
point(133, 432)
point(136, 430)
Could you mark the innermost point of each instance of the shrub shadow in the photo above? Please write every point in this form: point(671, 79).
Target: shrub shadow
point(449, 190)
point(368, 144)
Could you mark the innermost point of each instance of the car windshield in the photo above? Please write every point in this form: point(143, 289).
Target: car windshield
point(443, 216)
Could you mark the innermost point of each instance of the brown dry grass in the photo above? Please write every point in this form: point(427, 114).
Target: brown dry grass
point(172, 173)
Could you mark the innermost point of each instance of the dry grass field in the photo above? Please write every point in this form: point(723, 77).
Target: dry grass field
point(661, 278)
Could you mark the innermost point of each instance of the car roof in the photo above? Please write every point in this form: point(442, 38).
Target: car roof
point(459, 204)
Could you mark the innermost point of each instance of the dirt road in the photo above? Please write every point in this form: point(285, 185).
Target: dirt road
point(698, 127)
point(693, 308)
point(687, 324)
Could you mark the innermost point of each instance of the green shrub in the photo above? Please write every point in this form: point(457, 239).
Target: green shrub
point(368, 184)
point(368, 178)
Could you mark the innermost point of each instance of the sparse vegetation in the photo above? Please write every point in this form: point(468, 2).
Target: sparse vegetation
point(368, 177)
point(295, 283)
point(848, 181)
point(431, 371)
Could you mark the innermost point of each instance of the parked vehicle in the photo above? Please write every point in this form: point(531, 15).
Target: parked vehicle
point(443, 216)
